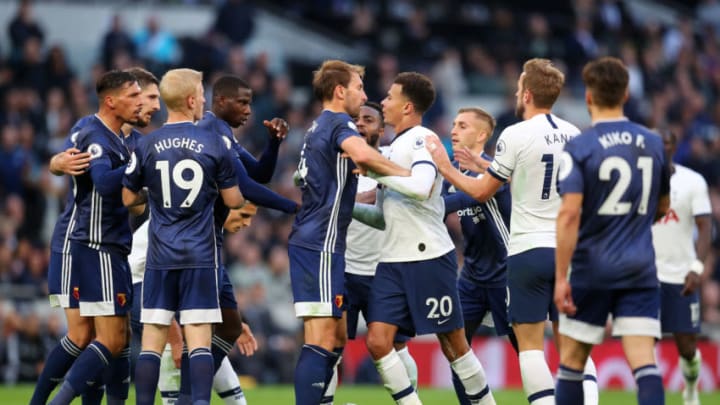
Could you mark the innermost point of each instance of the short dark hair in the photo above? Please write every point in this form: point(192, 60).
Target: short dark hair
point(144, 77)
point(333, 73)
point(377, 107)
point(418, 89)
point(607, 79)
point(113, 80)
point(228, 86)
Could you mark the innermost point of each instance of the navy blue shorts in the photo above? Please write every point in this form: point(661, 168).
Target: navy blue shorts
point(59, 273)
point(634, 311)
point(193, 293)
point(100, 282)
point(318, 280)
point(418, 297)
point(531, 286)
point(679, 314)
point(357, 293)
point(485, 305)
point(227, 292)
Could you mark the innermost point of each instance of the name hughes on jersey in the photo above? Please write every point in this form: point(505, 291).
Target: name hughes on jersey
point(614, 138)
point(186, 143)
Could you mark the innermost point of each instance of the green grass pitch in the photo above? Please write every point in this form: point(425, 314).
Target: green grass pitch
point(367, 395)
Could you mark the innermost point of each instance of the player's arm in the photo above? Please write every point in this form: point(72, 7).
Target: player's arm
point(417, 186)
point(567, 225)
point(175, 340)
point(70, 161)
point(457, 201)
point(370, 159)
point(134, 199)
point(481, 189)
point(664, 199)
point(260, 194)
point(470, 160)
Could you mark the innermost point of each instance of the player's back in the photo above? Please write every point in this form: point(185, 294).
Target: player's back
point(414, 229)
point(328, 185)
point(183, 167)
point(101, 218)
point(527, 155)
point(620, 167)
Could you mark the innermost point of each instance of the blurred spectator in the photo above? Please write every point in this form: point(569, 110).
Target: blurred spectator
point(115, 41)
point(157, 47)
point(235, 20)
point(23, 27)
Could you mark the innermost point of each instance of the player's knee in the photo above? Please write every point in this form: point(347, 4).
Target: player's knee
point(377, 345)
point(80, 336)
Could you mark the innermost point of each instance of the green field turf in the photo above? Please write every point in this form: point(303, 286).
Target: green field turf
point(367, 395)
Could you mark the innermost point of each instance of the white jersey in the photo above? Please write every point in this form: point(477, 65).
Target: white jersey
point(527, 154)
point(673, 234)
point(414, 230)
point(138, 252)
point(363, 242)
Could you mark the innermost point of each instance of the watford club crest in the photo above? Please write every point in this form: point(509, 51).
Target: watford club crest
point(76, 293)
point(122, 299)
point(339, 300)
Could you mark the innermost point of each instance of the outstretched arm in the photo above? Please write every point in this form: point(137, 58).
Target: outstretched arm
point(370, 159)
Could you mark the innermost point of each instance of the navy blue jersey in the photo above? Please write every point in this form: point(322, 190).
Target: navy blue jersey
point(328, 185)
point(60, 240)
point(248, 182)
point(259, 170)
point(485, 228)
point(101, 220)
point(183, 167)
point(620, 169)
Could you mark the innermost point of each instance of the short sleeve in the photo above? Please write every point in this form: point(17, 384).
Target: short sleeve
point(133, 178)
point(93, 144)
point(701, 198)
point(344, 130)
point(226, 176)
point(420, 154)
point(503, 165)
point(570, 176)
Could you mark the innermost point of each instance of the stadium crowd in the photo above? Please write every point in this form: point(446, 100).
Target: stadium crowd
point(674, 84)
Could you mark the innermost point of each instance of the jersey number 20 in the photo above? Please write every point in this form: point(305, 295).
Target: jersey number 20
point(193, 184)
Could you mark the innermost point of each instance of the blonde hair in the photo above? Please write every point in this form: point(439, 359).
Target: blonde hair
point(177, 85)
point(331, 74)
point(482, 115)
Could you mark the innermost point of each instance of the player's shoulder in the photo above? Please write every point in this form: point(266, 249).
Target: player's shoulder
point(689, 176)
point(564, 125)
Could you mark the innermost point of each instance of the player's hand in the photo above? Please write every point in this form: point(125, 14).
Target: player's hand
point(470, 160)
point(437, 151)
point(692, 282)
point(277, 128)
point(563, 297)
point(176, 351)
point(72, 161)
point(246, 341)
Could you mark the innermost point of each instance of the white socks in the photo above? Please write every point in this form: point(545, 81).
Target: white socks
point(472, 376)
point(590, 387)
point(537, 380)
point(410, 365)
point(396, 380)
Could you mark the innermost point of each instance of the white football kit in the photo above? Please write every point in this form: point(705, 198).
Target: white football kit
point(673, 234)
point(528, 155)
